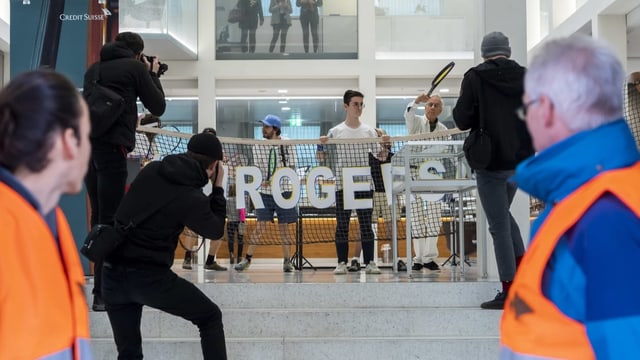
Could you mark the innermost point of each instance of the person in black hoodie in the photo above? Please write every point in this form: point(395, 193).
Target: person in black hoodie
point(493, 91)
point(138, 272)
point(122, 69)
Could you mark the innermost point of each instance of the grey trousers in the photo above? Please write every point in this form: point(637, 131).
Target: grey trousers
point(496, 195)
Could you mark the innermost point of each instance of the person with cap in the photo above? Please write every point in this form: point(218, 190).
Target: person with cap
point(269, 158)
point(138, 272)
point(190, 241)
point(490, 93)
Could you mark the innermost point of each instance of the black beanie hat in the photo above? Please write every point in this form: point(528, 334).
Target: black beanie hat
point(206, 144)
point(495, 43)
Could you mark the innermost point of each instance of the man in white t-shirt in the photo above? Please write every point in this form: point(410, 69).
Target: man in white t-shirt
point(425, 246)
point(352, 155)
point(269, 158)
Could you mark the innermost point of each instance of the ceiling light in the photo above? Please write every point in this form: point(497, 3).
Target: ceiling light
point(444, 90)
point(283, 91)
point(285, 108)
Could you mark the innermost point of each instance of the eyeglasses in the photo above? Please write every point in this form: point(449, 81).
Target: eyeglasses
point(522, 110)
point(357, 104)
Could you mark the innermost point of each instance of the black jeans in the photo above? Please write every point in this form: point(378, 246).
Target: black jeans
point(126, 290)
point(343, 217)
point(251, 33)
point(279, 30)
point(106, 180)
point(232, 230)
point(310, 22)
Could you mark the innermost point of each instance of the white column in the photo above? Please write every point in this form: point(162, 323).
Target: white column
point(513, 26)
point(612, 29)
point(206, 69)
point(366, 56)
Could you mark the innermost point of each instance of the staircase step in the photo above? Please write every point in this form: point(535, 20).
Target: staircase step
point(309, 323)
point(441, 348)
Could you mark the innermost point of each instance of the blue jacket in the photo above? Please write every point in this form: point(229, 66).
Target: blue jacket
point(591, 275)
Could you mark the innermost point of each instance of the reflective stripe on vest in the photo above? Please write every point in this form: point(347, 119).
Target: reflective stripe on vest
point(532, 326)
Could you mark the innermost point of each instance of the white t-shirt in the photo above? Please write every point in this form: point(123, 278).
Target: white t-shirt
point(352, 155)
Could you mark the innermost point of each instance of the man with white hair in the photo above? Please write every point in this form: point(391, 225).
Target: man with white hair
point(424, 246)
point(587, 170)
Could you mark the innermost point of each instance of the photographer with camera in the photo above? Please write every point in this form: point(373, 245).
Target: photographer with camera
point(125, 70)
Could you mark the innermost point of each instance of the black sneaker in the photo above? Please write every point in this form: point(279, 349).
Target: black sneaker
point(432, 266)
point(417, 266)
point(402, 266)
point(98, 303)
point(355, 266)
point(497, 303)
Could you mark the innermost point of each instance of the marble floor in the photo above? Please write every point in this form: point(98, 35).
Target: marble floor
point(270, 271)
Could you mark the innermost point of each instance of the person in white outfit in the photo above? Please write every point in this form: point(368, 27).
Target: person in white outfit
point(353, 155)
point(425, 245)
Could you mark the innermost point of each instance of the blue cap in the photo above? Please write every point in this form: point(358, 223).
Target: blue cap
point(272, 120)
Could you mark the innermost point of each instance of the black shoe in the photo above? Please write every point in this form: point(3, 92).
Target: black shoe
point(402, 266)
point(355, 266)
point(497, 303)
point(98, 303)
point(186, 264)
point(432, 266)
point(231, 259)
point(417, 266)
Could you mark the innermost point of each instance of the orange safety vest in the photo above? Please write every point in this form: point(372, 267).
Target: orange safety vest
point(43, 311)
point(532, 326)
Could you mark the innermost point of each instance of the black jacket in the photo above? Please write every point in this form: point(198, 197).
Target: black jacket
point(121, 72)
point(494, 89)
point(174, 185)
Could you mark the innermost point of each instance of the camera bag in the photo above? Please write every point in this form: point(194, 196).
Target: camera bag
point(105, 105)
point(103, 239)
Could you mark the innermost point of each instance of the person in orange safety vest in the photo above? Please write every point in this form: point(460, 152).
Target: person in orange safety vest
point(575, 295)
point(44, 153)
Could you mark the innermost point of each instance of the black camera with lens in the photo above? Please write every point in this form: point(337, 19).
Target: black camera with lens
point(162, 67)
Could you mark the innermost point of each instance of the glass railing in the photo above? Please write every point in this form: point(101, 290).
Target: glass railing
point(286, 29)
point(425, 29)
point(177, 20)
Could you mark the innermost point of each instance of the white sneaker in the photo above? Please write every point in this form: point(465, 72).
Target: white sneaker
point(242, 265)
point(372, 268)
point(341, 269)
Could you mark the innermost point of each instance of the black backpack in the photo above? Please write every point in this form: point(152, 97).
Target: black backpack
point(105, 105)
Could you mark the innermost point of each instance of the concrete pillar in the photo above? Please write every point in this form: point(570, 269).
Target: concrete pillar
point(366, 55)
point(612, 29)
point(515, 27)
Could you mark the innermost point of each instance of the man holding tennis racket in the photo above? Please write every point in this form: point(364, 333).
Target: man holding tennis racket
point(270, 158)
point(425, 247)
point(489, 96)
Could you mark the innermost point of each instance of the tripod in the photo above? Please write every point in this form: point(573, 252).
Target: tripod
point(298, 260)
point(454, 239)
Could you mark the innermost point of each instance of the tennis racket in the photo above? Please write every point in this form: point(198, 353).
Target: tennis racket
point(166, 143)
point(441, 75)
